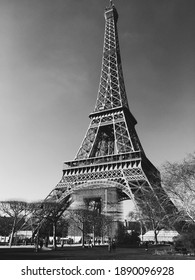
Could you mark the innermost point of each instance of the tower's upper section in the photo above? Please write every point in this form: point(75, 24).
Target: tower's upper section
point(111, 93)
point(111, 12)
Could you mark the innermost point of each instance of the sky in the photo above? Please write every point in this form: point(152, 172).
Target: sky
point(50, 64)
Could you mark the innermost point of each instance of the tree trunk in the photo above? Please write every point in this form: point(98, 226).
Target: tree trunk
point(155, 237)
point(12, 233)
point(54, 235)
point(83, 236)
point(93, 235)
point(36, 239)
point(141, 230)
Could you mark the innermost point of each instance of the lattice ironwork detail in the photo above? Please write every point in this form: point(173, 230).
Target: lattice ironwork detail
point(87, 144)
point(108, 135)
point(92, 176)
point(133, 172)
point(111, 92)
point(122, 138)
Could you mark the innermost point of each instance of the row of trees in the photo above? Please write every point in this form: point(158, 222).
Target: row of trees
point(15, 214)
point(44, 220)
point(178, 181)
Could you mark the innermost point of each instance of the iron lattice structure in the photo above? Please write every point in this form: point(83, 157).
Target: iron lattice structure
point(111, 154)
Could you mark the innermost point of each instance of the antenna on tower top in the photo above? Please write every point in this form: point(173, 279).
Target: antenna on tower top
point(111, 4)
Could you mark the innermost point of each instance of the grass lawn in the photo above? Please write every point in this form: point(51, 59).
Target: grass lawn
point(95, 253)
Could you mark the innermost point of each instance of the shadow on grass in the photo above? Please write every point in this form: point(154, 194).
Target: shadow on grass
point(78, 253)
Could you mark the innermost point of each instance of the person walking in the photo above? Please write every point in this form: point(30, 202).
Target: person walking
point(113, 244)
point(109, 245)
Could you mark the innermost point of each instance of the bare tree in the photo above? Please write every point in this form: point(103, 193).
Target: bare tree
point(44, 214)
point(156, 209)
point(135, 216)
point(170, 205)
point(178, 179)
point(89, 220)
point(155, 218)
point(17, 210)
point(81, 218)
point(5, 225)
point(51, 212)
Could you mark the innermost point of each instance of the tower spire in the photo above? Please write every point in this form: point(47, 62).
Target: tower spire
point(111, 93)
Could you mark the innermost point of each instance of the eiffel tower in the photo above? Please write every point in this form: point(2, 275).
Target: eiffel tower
point(111, 165)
